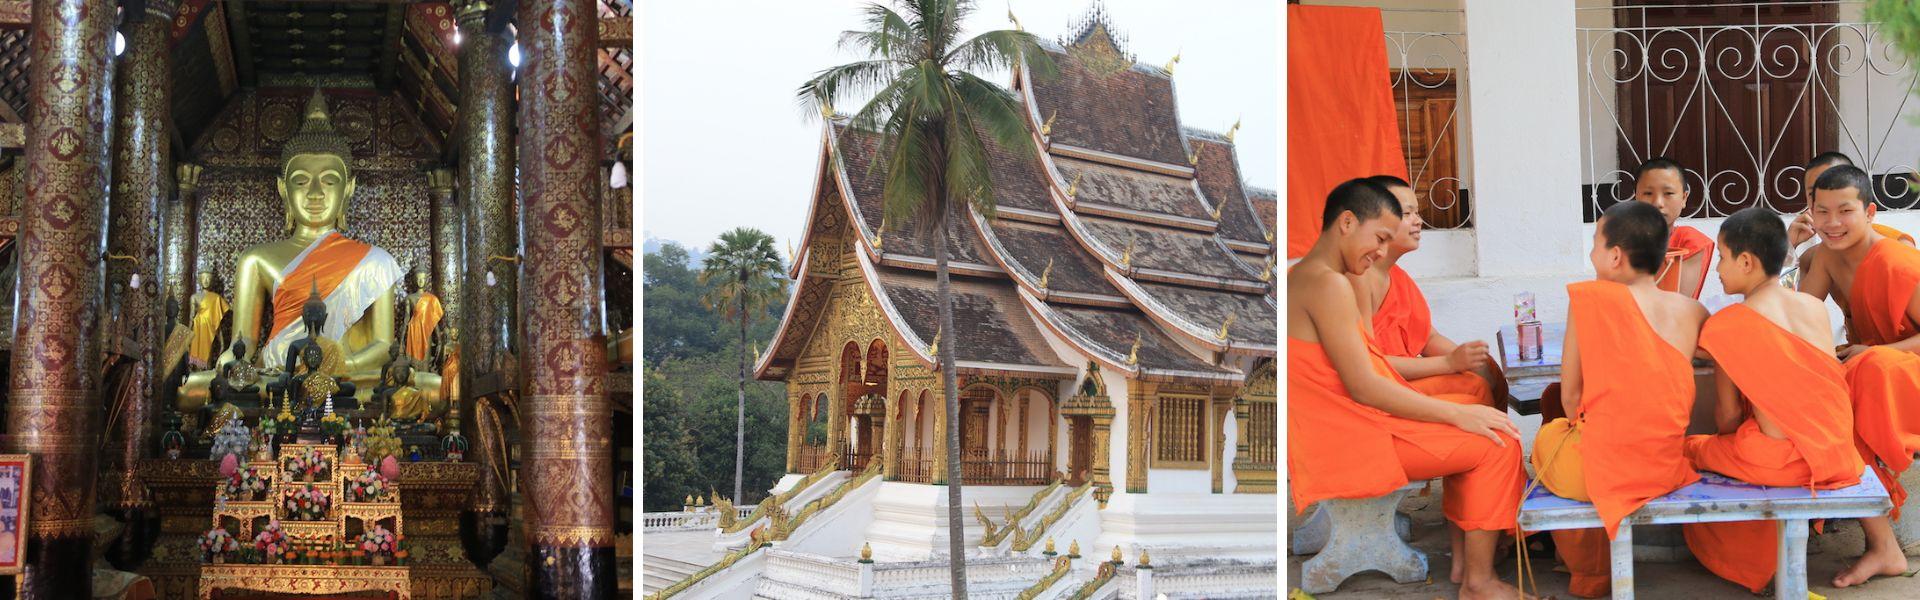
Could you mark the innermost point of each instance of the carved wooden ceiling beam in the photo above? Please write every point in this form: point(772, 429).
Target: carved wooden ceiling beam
point(390, 46)
point(239, 35)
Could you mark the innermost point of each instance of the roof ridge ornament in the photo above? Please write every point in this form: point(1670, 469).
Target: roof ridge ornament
point(1016, 20)
point(1126, 256)
point(1215, 213)
point(1133, 354)
point(1046, 128)
point(1174, 62)
point(1045, 273)
point(934, 348)
point(1222, 334)
point(1073, 188)
point(1233, 130)
point(1193, 158)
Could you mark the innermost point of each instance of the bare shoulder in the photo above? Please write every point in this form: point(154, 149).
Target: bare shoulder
point(1314, 286)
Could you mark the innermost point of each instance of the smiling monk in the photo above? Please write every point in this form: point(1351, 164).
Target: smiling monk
point(1355, 428)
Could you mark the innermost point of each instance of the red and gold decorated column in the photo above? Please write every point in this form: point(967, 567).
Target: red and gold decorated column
point(141, 184)
point(566, 413)
point(484, 181)
point(54, 387)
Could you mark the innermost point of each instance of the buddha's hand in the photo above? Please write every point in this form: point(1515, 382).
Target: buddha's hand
point(1469, 356)
point(195, 392)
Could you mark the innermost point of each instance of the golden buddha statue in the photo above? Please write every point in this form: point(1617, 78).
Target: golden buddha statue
point(209, 311)
point(353, 279)
point(423, 321)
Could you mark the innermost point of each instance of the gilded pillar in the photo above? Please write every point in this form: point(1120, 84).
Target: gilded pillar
point(936, 400)
point(142, 102)
point(54, 388)
point(485, 177)
point(565, 406)
point(796, 428)
point(1139, 409)
point(447, 258)
point(890, 437)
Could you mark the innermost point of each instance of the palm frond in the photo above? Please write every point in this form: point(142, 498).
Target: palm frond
point(910, 167)
point(969, 172)
point(851, 79)
point(887, 33)
point(996, 110)
point(1001, 49)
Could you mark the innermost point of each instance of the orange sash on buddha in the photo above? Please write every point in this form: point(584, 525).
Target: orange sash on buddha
point(1636, 401)
point(1885, 380)
point(420, 325)
point(324, 267)
point(1802, 390)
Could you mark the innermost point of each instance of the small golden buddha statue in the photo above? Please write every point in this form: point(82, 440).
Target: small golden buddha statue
point(423, 337)
point(209, 312)
point(352, 279)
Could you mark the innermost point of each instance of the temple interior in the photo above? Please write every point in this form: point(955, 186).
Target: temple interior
point(301, 293)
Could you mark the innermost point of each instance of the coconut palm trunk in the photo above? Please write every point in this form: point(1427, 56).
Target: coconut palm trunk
point(949, 380)
point(740, 406)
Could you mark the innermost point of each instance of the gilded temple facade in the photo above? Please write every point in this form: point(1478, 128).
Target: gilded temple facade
point(194, 194)
point(1115, 351)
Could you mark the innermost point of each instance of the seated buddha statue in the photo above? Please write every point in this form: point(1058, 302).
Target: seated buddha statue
point(352, 280)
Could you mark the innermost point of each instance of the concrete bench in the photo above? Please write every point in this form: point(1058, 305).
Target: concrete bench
point(1352, 536)
point(1717, 498)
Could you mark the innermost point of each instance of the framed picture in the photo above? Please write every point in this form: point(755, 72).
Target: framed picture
point(15, 469)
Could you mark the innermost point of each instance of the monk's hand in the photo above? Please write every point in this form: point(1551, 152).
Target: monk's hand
point(1801, 230)
point(1852, 351)
point(1480, 419)
point(1469, 356)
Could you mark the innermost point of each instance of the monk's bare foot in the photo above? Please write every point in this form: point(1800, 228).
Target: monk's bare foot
point(1874, 563)
point(1491, 589)
point(1456, 571)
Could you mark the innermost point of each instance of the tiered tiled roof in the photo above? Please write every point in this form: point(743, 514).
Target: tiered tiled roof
point(1129, 238)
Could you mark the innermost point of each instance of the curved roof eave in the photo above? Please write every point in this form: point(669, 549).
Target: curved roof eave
point(1193, 332)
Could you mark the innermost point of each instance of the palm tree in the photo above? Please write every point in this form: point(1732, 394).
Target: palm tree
point(744, 275)
point(931, 113)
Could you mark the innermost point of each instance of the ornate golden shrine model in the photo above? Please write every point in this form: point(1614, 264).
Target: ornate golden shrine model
point(306, 520)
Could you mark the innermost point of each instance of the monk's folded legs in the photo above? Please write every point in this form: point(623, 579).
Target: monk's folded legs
point(1480, 496)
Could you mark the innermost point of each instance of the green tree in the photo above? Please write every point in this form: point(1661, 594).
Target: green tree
point(668, 450)
point(930, 112)
point(744, 275)
point(677, 326)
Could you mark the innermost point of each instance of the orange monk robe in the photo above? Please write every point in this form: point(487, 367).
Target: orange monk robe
point(1402, 325)
point(426, 317)
point(1895, 234)
point(1339, 448)
point(1884, 380)
point(1803, 391)
point(1687, 243)
point(1634, 408)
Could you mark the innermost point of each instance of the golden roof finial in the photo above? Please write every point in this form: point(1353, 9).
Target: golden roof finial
point(1074, 549)
point(866, 552)
point(790, 254)
point(1133, 354)
point(1073, 189)
point(1045, 273)
point(1216, 210)
point(934, 348)
point(1171, 63)
point(1016, 20)
point(1126, 256)
point(1267, 275)
point(1193, 158)
point(1144, 561)
point(1269, 236)
point(1116, 554)
point(687, 501)
point(1233, 130)
point(1050, 545)
point(1222, 334)
point(1046, 128)
point(880, 236)
point(826, 109)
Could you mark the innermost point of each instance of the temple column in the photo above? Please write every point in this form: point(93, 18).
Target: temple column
point(1139, 399)
point(448, 260)
point(888, 446)
point(54, 389)
point(796, 428)
point(485, 177)
point(142, 101)
point(178, 223)
point(937, 403)
point(565, 406)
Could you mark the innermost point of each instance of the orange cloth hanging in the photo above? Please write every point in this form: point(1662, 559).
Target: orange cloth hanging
point(1634, 409)
point(1802, 390)
point(1886, 429)
point(1340, 111)
point(1339, 448)
point(1687, 243)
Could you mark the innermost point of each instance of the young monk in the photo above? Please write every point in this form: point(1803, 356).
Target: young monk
point(1659, 182)
point(1784, 416)
point(1403, 324)
point(1627, 380)
point(1802, 228)
point(1874, 280)
point(1355, 428)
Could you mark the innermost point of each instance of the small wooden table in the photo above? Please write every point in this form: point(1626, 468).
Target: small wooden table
point(305, 579)
point(1717, 498)
point(1527, 379)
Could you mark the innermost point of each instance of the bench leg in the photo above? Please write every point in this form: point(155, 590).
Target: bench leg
point(1312, 534)
point(1362, 539)
point(1790, 578)
point(1621, 551)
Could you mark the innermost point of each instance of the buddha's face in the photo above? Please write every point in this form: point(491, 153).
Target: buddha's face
point(316, 188)
point(205, 279)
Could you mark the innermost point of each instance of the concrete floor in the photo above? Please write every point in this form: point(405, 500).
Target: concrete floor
point(1686, 580)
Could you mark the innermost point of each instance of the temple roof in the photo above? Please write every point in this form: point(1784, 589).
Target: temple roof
point(1200, 313)
point(864, 184)
point(1266, 205)
point(1218, 172)
point(1166, 249)
point(1116, 108)
point(1111, 333)
point(1131, 189)
point(994, 329)
point(1032, 247)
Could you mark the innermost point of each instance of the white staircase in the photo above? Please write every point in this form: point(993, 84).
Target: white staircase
point(658, 572)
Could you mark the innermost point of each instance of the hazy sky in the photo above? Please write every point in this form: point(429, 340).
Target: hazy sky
point(725, 144)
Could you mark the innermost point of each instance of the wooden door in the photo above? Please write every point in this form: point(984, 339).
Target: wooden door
point(1425, 101)
point(1079, 449)
point(1736, 122)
